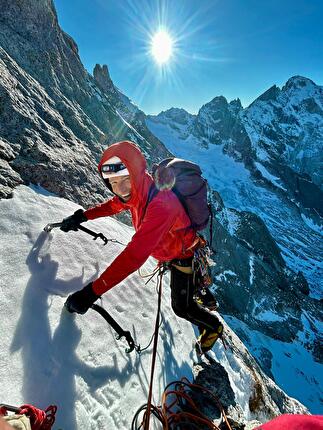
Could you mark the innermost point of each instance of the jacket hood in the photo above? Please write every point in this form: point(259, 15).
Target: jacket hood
point(132, 157)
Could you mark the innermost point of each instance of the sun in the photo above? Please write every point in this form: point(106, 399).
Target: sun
point(161, 47)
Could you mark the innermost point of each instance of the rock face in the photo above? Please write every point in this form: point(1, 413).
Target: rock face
point(263, 399)
point(56, 119)
point(102, 78)
point(286, 130)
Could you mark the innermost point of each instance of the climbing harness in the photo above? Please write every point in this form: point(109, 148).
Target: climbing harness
point(202, 276)
point(39, 419)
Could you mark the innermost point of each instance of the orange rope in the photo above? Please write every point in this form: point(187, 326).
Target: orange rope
point(195, 415)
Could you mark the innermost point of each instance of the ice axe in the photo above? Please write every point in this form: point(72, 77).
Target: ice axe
point(95, 235)
point(117, 328)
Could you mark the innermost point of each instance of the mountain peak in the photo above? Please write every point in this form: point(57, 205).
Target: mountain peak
point(34, 20)
point(174, 110)
point(178, 115)
point(218, 101)
point(298, 82)
point(235, 106)
point(270, 94)
point(102, 77)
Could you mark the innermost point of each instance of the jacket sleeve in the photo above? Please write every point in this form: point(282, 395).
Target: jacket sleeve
point(108, 208)
point(158, 220)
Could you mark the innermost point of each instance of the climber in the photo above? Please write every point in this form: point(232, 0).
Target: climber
point(162, 231)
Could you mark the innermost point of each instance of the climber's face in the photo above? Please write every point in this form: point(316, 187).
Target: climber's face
point(121, 186)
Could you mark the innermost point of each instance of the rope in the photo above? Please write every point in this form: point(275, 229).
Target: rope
point(149, 406)
point(182, 410)
point(174, 413)
point(39, 419)
point(139, 349)
point(149, 275)
point(179, 411)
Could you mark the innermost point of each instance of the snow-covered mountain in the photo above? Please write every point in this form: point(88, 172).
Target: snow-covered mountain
point(269, 245)
point(254, 173)
point(49, 356)
point(279, 137)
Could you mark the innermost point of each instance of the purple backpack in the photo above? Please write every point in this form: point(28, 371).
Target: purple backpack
point(185, 179)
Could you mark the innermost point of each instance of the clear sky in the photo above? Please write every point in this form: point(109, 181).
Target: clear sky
point(234, 48)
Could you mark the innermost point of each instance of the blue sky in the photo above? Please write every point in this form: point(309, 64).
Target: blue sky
point(234, 48)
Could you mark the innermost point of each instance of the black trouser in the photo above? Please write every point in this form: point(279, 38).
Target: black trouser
point(183, 304)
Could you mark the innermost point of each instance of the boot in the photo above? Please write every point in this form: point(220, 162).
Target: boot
point(207, 339)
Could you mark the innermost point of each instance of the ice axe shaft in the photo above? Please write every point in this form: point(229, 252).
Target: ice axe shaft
point(117, 328)
point(95, 235)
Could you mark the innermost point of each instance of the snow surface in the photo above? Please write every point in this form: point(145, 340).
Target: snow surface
point(267, 175)
point(49, 356)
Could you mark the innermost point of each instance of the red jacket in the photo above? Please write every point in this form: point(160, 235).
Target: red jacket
point(294, 422)
point(160, 232)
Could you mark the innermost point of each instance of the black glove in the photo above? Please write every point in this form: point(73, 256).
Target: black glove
point(82, 300)
point(73, 221)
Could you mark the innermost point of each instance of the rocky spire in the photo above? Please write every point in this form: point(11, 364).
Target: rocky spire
point(102, 77)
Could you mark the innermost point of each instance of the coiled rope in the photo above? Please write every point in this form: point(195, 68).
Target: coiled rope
point(179, 411)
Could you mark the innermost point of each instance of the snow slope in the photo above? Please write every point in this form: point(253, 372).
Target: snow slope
point(49, 356)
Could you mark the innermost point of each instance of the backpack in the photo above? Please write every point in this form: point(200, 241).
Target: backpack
point(185, 179)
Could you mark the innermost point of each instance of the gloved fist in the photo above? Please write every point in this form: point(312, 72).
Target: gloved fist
point(82, 300)
point(72, 222)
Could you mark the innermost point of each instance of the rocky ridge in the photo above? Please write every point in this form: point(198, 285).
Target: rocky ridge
point(57, 118)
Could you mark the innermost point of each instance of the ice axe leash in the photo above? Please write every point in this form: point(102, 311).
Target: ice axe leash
point(49, 227)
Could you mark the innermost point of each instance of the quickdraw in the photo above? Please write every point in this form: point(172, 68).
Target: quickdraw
point(201, 269)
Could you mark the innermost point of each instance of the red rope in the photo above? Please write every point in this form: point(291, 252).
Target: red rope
point(3, 411)
point(39, 419)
